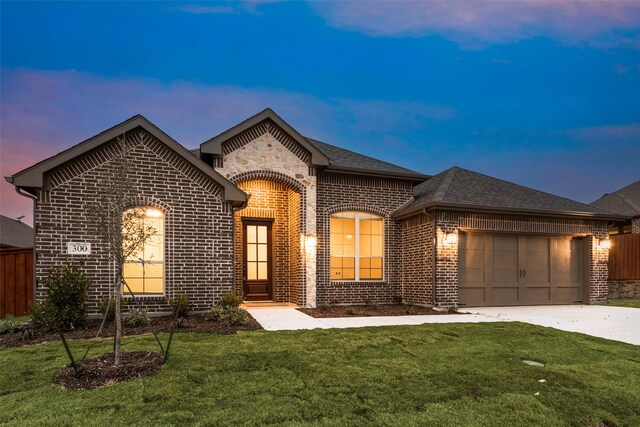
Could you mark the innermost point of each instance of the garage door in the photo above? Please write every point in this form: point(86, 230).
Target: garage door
point(503, 269)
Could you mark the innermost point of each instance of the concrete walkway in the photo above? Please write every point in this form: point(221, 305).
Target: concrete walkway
point(289, 319)
point(614, 323)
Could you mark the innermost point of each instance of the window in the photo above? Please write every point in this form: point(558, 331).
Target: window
point(356, 246)
point(144, 270)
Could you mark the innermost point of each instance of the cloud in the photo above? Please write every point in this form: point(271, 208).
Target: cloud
point(476, 24)
point(45, 112)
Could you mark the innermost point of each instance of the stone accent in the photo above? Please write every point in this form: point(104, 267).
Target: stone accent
point(366, 194)
point(624, 289)
point(446, 292)
point(417, 260)
point(275, 157)
point(635, 225)
point(198, 224)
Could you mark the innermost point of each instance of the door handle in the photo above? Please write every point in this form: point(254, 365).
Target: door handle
point(524, 273)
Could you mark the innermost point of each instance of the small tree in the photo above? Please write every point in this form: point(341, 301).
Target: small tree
point(118, 222)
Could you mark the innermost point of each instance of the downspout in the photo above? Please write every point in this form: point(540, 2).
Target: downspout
point(21, 192)
point(433, 261)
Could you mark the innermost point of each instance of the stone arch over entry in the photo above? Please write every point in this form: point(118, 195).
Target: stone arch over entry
point(281, 200)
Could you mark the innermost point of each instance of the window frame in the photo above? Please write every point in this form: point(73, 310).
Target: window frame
point(162, 233)
point(357, 255)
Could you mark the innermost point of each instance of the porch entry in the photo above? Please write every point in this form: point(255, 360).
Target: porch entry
point(257, 259)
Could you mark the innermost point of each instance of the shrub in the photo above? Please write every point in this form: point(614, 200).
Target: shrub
point(137, 317)
point(179, 304)
point(9, 325)
point(230, 299)
point(452, 309)
point(236, 316)
point(371, 303)
point(65, 304)
point(215, 313)
point(408, 309)
point(109, 306)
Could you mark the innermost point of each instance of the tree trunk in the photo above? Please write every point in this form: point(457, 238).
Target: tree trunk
point(118, 321)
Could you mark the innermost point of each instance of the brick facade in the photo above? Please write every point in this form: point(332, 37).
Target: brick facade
point(198, 224)
point(417, 260)
point(336, 193)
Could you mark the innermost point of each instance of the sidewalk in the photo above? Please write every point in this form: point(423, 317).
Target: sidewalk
point(290, 319)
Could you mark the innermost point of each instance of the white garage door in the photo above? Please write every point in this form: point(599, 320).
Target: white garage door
point(504, 269)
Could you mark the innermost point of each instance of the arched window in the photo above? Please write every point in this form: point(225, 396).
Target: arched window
point(357, 246)
point(144, 269)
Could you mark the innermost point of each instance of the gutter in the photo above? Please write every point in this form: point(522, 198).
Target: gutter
point(235, 209)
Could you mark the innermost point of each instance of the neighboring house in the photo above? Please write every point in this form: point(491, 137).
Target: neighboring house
point(625, 201)
point(15, 234)
point(275, 216)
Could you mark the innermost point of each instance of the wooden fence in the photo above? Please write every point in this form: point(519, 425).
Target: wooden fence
point(624, 257)
point(16, 281)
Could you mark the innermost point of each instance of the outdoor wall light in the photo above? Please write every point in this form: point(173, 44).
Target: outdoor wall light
point(310, 242)
point(450, 238)
point(604, 244)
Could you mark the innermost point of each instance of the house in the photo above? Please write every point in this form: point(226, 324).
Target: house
point(276, 216)
point(15, 234)
point(625, 201)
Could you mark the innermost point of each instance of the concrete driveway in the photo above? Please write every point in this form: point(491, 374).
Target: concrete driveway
point(613, 323)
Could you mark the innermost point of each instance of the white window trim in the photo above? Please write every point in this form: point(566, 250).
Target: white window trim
point(357, 250)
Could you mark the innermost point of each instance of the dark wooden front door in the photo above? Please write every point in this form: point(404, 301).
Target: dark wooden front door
point(256, 260)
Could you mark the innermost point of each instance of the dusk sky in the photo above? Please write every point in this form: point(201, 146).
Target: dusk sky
point(542, 94)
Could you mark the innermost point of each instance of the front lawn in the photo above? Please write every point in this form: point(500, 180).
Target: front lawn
point(635, 303)
point(447, 374)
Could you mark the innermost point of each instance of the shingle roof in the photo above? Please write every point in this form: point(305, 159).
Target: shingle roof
point(460, 188)
point(342, 159)
point(15, 234)
point(625, 201)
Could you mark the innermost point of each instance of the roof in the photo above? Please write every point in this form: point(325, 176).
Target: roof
point(214, 145)
point(34, 176)
point(625, 201)
point(342, 160)
point(462, 189)
point(14, 233)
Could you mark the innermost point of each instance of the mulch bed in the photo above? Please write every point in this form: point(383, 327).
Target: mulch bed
point(368, 310)
point(100, 372)
point(194, 323)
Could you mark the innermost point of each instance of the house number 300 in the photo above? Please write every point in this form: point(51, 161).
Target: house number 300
point(79, 248)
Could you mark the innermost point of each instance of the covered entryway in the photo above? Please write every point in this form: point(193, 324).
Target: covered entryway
point(509, 269)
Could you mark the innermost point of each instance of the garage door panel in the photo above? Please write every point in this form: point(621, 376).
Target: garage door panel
point(537, 295)
point(473, 296)
point(505, 243)
point(505, 296)
point(566, 295)
point(472, 275)
point(503, 276)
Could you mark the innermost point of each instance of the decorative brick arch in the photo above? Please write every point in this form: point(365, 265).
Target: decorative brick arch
point(266, 175)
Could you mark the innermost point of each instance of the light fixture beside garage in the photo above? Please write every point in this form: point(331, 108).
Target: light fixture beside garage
point(604, 244)
point(450, 238)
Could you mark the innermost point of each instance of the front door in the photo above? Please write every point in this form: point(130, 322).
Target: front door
point(256, 260)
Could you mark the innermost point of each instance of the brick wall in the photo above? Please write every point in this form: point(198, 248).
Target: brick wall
point(417, 260)
point(379, 196)
point(198, 224)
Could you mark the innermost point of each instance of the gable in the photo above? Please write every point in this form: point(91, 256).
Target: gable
point(264, 122)
point(35, 177)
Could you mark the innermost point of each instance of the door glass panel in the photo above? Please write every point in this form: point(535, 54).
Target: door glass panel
point(262, 252)
point(262, 271)
point(251, 252)
point(252, 270)
point(251, 234)
point(262, 234)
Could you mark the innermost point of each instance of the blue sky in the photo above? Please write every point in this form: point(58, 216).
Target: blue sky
point(542, 94)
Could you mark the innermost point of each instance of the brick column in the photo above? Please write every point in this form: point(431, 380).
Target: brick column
point(446, 253)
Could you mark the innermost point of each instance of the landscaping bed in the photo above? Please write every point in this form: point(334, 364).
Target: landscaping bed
point(31, 334)
point(100, 371)
point(371, 310)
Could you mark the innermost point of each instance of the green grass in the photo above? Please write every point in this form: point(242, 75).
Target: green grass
point(635, 303)
point(455, 374)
